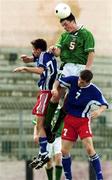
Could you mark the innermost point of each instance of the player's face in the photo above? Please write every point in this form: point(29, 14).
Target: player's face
point(82, 83)
point(68, 25)
point(36, 52)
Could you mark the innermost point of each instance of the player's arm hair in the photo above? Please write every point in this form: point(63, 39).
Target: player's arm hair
point(90, 60)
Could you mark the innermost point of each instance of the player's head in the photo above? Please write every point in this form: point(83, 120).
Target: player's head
point(68, 23)
point(70, 18)
point(38, 45)
point(85, 78)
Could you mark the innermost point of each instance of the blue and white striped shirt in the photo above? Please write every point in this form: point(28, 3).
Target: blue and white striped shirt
point(48, 62)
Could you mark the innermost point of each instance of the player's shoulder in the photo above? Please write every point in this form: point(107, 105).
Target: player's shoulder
point(85, 31)
point(64, 34)
point(95, 88)
point(74, 78)
point(48, 55)
point(70, 79)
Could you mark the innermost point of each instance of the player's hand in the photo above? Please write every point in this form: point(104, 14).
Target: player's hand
point(95, 114)
point(52, 49)
point(19, 69)
point(26, 59)
point(55, 50)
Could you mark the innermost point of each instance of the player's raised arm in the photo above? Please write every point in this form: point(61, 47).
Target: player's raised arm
point(90, 60)
point(36, 70)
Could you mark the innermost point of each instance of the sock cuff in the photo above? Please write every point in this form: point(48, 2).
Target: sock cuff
point(58, 167)
point(94, 157)
point(49, 169)
point(42, 139)
point(66, 157)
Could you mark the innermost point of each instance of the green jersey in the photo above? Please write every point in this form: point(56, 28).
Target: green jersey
point(76, 46)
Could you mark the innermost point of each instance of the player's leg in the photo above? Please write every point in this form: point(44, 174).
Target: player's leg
point(40, 137)
point(39, 110)
point(35, 132)
point(52, 106)
point(69, 136)
point(86, 136)
point(58, 172)
point(49, 166)
point(58, 158)
point(49, 169)
point(38, 129)
point(59, 120)
point(66, 158)
point(93, 157)
point(48, 118)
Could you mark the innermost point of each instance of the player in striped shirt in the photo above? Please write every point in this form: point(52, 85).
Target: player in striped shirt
point(46, 67)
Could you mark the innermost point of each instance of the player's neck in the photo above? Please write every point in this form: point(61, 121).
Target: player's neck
point(75, 29)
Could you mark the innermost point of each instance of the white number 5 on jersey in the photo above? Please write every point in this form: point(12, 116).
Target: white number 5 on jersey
point(72, 45)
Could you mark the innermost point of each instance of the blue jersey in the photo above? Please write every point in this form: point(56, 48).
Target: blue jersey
point(79, 100)
point(47, 61)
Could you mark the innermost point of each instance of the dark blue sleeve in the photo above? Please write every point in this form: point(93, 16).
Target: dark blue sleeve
point(101, 99)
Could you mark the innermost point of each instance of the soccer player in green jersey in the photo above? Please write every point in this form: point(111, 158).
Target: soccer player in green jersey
point(75, 47)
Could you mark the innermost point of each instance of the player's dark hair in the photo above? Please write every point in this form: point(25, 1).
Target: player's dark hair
point(70, 18)
point(86, 75)
point(39, 43)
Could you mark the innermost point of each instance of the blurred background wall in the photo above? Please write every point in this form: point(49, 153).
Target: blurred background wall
point(23, 20)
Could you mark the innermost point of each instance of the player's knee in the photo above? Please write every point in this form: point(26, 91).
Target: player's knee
point(40, 124)
point(65, 152)
point(49, 164)
point(58, 159)
point(90, 150)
